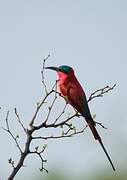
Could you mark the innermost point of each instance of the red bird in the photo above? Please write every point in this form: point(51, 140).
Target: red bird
point(73, 92)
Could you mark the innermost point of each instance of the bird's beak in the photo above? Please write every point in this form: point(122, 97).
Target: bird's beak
point(53, 68)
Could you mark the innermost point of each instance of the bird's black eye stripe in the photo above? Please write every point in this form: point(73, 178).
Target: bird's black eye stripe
point(61, 70)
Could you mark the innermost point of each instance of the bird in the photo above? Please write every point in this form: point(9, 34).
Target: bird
point(71, 89)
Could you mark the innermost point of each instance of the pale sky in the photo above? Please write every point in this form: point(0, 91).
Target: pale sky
point(89, 35)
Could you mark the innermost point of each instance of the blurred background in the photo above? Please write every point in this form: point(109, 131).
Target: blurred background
point(89, 35)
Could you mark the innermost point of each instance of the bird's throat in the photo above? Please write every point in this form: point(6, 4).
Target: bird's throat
point(62, 77)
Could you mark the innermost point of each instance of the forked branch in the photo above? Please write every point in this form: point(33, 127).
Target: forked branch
point(61, 121)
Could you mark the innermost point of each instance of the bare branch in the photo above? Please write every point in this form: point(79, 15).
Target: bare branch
point(100, 92)
point(19, 120)
point(39, 154)
point(7, 129)
point(52, 125)
point(50, 107)
point(10, 161)
point(60, 136)
point(39, 107)
point(101, 124)
point(42, 73)
point(62, 112)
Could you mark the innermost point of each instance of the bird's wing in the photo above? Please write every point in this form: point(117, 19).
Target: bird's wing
point(77, 99)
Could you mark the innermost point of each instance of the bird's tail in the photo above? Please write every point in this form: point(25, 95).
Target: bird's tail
point(97, 137)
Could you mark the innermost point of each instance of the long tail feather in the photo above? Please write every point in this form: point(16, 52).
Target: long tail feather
point(97, 137)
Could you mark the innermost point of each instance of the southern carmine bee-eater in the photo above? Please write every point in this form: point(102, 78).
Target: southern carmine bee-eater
point(73, 92)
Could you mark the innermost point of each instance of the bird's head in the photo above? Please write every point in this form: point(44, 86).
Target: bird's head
point(63, 71)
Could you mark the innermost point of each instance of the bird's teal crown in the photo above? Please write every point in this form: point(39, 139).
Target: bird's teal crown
point(65, 69)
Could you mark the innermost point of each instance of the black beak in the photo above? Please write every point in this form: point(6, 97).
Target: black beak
point(53, 68)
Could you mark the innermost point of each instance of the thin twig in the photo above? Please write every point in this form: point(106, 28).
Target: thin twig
point(7, 129)
point(10, 161)
point(50, 108)
point(60, 136)
point(38, 153)
point(39, 107)
point(100, 124)
point(63, 111)
point(19, 120)
point(100, 92)
point(42, 73)
point(52, 125)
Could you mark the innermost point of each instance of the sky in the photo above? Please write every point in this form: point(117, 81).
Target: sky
point(91, 37)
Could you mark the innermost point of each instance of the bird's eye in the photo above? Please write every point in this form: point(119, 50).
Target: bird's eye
point(61, 70)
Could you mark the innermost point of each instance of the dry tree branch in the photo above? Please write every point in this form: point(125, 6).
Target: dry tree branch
point(19, 120)
point(61, 136)
point(101, 124)
point(7, 129)
point(42, 73)
point(51, 106)
point(100, 92)
point(39, 154)
point(39, 105)
point(62, 112)
point(57, 123)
